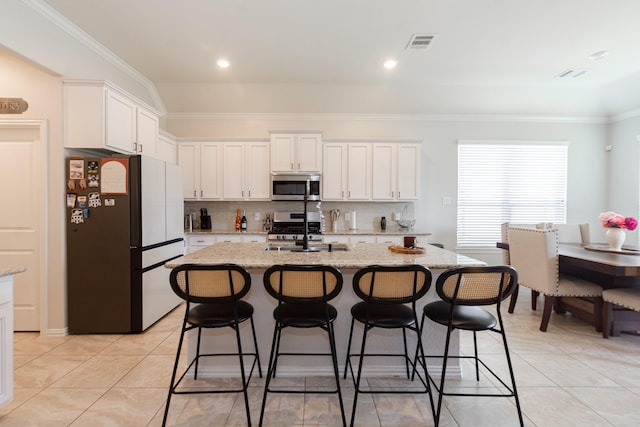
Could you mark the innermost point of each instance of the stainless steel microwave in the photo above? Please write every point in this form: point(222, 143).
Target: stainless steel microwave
point(294, 186)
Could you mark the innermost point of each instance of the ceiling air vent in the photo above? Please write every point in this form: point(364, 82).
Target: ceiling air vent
point(420, 41)
point(571, 73)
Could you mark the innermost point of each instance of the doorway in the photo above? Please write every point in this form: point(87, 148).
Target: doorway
point(22, 216)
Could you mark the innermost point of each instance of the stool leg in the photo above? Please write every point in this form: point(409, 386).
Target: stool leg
point(347, 362)
point(255, 343)
point(442, 377)
point(173, 376)
point(195, 375)
point(357, 385)
point(420, 347)
point(334, 359)
point(406, 353)
point(275, 360)
point(269, 372)
point(236, 328)
point(475, 352)
point(513, 378)
point(415, 360)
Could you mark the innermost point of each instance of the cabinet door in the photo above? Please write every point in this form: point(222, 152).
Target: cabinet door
point(188, 158)
point(334, 176)
point(210, 170)
point(258, 169)
point(383, 180)
point(408, 172)
point(147, 132)
point(166, 149)
point(120, 123)
point(234, 171)
point(359, 171)
point(282, 149)
point(308, 154)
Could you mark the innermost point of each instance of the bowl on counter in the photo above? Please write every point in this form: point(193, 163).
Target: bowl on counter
point(406, 224)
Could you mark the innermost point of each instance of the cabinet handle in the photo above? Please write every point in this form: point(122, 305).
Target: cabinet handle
point(195, 194)
point(201, 193)
point(349, 193)
point(200, 241)
point(392, 194)
point(140, 145)
point(298, 166)
point(398, 194)
point(249, 193)
point(291, 166)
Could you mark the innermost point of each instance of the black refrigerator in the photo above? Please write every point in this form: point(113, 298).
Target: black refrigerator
point(124, 221)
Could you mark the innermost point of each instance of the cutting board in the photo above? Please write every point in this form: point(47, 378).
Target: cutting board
point(402, 250)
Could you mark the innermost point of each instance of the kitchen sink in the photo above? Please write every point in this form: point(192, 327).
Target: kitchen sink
point(326, 247)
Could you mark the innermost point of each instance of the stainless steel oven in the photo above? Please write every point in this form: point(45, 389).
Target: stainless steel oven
point(289, 226)
point(294, 186)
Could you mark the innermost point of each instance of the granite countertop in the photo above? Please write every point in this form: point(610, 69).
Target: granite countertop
point(254, 255)
point(395, 232)
point(10, 271)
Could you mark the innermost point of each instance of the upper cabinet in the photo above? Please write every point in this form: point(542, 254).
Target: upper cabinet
point(246, 171)
point(362, 171)
point(346, 171)
point(202, 165)
point(167, 148)
point(219, 170)
point(296, 152)
point(397, 171)
point(98, 115)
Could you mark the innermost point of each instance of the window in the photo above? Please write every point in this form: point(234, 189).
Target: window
point(510, 181)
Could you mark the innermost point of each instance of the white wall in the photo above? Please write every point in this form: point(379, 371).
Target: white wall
point(623, 178)
point(43, 92)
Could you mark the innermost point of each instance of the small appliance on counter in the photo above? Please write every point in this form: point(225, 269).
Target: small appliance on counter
point(205, 219)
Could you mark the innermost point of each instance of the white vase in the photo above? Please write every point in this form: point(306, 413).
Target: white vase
point(615, 238)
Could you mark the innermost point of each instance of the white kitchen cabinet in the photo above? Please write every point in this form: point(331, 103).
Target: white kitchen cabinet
point(396, 171)
point(390, 240)
point(98, 115)
point(6, 339)
point(347, 171)
point(167, 148)
point(296, 152)
point(336, 238)
point(359, 171)
point(246, 171)
point(202, 165)
point(334, 176)
point(148, 129)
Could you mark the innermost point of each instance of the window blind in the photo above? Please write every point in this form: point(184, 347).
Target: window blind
point(518, 182)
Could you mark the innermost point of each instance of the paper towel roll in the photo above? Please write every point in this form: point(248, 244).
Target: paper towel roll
point(352, 224)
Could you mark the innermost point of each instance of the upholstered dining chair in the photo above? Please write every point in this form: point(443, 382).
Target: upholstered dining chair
point(618, 300)
point(534, 254)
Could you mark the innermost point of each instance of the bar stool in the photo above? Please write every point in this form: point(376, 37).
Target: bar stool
point(385, 290)
point(463, 292)
point(303, 293)
point(213, 300)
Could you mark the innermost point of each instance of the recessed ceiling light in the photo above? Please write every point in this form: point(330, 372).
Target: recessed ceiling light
point(223, 63)
point(598, 55)
point(390, 63)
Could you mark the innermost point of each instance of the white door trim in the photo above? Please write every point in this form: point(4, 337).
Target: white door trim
point(43, 131)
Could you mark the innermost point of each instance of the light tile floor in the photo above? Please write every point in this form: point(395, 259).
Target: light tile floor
point(568, 376)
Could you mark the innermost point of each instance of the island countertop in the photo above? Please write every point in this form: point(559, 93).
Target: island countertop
point(11, 271)
point(358, 255)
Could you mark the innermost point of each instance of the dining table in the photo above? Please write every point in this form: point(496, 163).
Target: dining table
point(599, 264)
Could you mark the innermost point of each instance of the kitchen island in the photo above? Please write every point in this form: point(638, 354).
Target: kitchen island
point(256, 258)
point(6, 333)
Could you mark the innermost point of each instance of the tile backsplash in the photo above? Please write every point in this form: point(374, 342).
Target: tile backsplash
point(368, 214)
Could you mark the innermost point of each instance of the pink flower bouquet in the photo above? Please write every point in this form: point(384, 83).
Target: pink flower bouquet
point(614, 220)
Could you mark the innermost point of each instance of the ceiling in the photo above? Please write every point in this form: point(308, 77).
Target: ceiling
point(510, 46)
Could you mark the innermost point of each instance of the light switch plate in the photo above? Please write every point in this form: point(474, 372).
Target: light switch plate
point(446, 201)
point(256, 216)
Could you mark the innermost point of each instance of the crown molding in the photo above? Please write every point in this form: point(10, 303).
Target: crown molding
point(67, 26)
point(626, 115)
point(390, 117)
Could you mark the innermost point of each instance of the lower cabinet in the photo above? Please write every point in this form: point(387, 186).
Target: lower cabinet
point(194, 242)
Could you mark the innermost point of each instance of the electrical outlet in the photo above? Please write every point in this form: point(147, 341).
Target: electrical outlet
point(347, 216)
point(257, 216)
point(446, 201)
